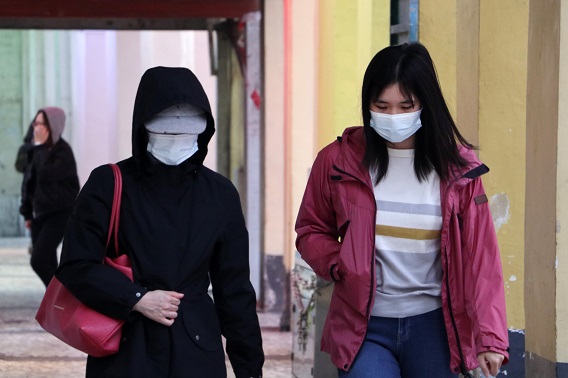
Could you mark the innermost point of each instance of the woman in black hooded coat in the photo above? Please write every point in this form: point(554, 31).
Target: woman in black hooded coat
point(182, 227)
point(49, 188)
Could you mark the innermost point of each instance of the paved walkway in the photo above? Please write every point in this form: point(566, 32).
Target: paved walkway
point(26, 351)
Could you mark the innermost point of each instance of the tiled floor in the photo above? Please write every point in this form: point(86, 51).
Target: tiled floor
point(27, 351)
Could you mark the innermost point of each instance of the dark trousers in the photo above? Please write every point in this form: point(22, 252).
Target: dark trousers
point(47, 233)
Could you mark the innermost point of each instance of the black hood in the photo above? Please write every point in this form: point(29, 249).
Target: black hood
point(160, 88)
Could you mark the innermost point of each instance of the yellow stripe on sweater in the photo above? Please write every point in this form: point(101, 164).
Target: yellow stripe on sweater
point(407, 233)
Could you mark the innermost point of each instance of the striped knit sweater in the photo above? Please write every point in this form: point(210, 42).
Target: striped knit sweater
point(407, 240)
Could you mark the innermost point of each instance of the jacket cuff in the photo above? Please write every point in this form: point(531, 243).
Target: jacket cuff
point(489, 344)
point(135, 295)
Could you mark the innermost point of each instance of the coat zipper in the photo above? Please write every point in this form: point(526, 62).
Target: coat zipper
point(368, 310)
point(464, 371)
point(463, 368)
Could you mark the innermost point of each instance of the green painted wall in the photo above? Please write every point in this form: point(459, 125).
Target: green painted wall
point(12, 129)
point(34, 72)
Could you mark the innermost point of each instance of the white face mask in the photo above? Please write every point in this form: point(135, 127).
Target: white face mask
point(396, 127)
point(172, 149)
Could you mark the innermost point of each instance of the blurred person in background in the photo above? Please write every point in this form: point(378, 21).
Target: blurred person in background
point(49, 188)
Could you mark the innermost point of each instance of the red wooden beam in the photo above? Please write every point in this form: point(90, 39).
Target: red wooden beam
point(127, 8)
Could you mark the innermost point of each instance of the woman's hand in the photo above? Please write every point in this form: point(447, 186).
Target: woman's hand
point(490, 362)
point(160, 306)
point(29, 224)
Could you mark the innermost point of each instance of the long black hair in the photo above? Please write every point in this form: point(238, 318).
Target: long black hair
point(411, 67)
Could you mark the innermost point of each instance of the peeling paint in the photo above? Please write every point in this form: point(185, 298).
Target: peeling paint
point(499, 205)
point(513, 278)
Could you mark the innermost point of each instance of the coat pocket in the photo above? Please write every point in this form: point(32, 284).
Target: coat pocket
point(201, 323)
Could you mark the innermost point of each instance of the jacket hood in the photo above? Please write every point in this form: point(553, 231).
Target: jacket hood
point(160, 88)
point(56, 119)
point(352, 147)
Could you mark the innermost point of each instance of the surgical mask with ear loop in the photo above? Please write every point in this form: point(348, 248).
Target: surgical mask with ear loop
point(396, 127)
point(173, 133)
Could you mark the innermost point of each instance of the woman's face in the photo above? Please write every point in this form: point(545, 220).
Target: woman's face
point(392, 101)
point(41, 131)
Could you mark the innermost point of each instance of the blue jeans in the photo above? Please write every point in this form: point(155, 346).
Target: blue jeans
point(416, 346)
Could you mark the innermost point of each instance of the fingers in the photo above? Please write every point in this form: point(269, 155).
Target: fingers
point(169, 309)
point(484, 369)
point(168, 318)
point(495, 368)
point(490, 362)
point(175, 294)
point(160, 306)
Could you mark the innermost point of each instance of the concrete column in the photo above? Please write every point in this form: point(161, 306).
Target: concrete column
point(467, 70)
point(95, 137)
point(254, 132)
point(561, 262)
point(276, 294)
point(301, 25)
point(546, 242)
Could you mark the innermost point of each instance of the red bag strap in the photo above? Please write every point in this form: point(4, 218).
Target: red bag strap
point(115, 212)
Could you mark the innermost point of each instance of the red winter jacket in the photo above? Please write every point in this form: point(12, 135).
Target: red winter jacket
point(336, 237)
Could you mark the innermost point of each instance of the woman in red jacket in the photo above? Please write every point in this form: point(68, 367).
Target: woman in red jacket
point(395, 213)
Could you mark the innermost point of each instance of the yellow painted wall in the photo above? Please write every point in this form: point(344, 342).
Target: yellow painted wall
point(437, 31)
point(499, 54)
point(502, 135)
point(350, 34)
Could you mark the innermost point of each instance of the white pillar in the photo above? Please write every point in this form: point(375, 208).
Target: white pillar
point(253, 145)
